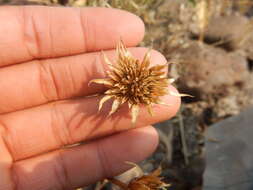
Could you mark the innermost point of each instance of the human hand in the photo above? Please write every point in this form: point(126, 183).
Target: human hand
point(47, 57)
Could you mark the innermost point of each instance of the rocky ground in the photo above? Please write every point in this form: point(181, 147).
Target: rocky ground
point(210, 44)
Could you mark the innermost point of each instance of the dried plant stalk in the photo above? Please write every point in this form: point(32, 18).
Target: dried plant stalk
point(203, 14)
point(134, 82)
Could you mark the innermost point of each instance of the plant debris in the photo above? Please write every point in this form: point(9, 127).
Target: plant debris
point(151, 181)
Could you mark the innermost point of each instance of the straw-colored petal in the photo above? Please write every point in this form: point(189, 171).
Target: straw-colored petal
point(171, 80)
point(107, 82)
point(134, 113)
point(102, 101)
point(163, 103)
point(115, 105)
point(178, 94)
point(158, 67)
point(150, 110)
point(146, 60)
point(137, 167)
point(107, 61)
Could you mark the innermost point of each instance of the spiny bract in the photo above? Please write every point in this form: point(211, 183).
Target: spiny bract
point(134, 82)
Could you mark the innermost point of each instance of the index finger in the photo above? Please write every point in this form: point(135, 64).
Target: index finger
point(34, 32)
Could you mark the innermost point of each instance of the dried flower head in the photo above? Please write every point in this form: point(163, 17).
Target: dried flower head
point(151, 181)
point(134, 82)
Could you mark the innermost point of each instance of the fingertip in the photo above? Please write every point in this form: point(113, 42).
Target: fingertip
point(116, 25)
point(157, 57)
point(134, 24)
point(134, 146)
point(175, 100)
point(145, 140)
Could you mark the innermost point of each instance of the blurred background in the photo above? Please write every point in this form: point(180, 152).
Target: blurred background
point(210, 43)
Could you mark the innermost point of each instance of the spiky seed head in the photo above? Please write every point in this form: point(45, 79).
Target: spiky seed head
point(151, 181)
point(134, 82)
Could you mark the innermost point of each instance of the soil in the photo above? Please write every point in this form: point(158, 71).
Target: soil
point(210, 44)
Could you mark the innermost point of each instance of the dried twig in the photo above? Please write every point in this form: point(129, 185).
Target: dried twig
point(182, 135)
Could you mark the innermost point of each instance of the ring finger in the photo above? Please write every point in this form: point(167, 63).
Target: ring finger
point(45, 128)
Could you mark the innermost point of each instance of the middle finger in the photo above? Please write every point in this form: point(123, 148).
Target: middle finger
point(38, 82)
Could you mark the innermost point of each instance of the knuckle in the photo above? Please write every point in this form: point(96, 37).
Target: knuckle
point(62, 180)
point(6, 138)
point(103, 161)
point(88, 35)
point(47, 80)
point(57, 80)
point(31, 34)
point(10, 181)
point(60, 126)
